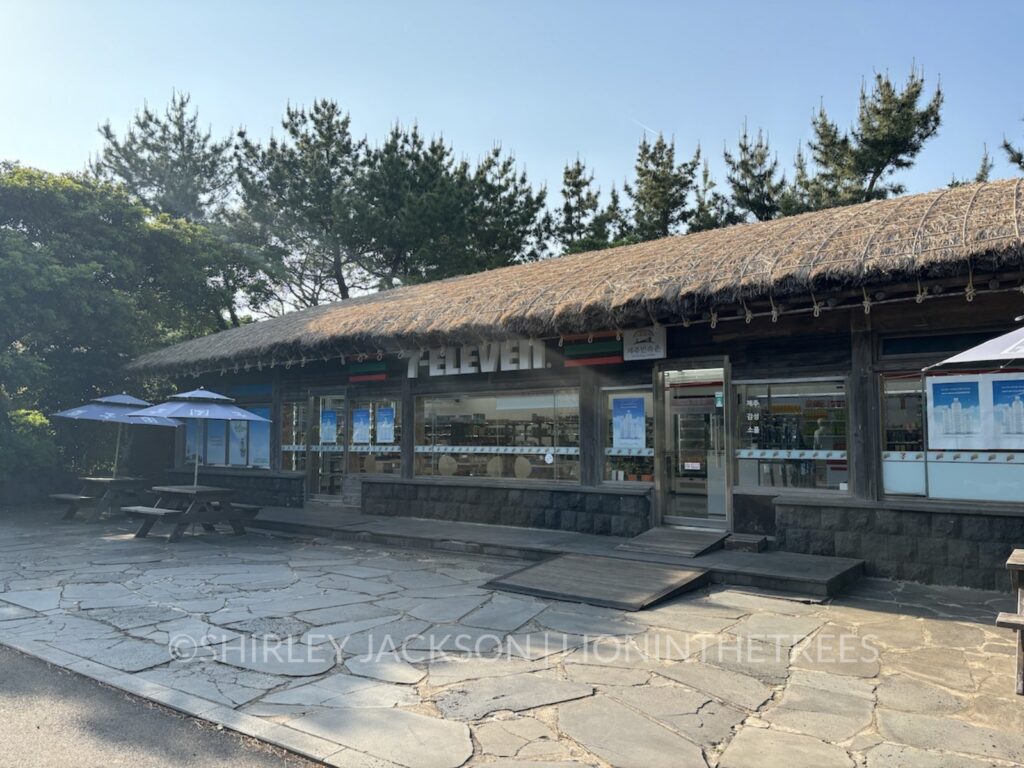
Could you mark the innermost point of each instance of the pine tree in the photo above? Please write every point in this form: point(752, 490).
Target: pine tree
point(573, 226)
point(713, 209)
point(753, 176)
point(1014, 155)
point(982, 174)
point(168, 163)
point(661, 192)
point(795, 196)
point(298, 198)
point(857, 165)
point(173, 167)
point(611, 225)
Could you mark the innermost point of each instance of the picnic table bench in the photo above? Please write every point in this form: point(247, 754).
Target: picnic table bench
point(185, 505)
point(101, 494)
point(1015, 621)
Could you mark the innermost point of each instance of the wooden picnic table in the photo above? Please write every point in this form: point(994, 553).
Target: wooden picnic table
point(186, 505)
point(108, 493)
point(1015, 621)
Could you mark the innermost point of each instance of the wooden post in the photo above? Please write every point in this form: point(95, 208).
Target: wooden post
point(276, 413)
point(864, 427)
point(591, 448)
point(408, 438)
point(1020, 637)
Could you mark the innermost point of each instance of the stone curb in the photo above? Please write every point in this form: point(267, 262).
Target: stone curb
point(302, 744)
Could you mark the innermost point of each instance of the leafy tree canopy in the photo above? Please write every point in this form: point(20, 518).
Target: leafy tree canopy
point(90, 281)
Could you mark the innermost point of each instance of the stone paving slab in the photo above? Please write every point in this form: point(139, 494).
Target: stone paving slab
point(624, 738)
point(417, 664)
point(514, 693)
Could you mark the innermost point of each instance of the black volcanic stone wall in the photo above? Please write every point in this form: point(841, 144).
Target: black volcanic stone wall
point(966, 550)
point(569, 510)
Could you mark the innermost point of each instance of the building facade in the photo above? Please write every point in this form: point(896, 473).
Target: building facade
point(798, 412)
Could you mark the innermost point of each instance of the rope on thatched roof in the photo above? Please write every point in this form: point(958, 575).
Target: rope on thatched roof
point(682, 279)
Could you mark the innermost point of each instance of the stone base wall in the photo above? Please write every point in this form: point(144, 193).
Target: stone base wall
point(967, 550)
point(605, 513)
point(271, 489)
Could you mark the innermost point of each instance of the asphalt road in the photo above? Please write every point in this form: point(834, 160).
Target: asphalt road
point(52, 717)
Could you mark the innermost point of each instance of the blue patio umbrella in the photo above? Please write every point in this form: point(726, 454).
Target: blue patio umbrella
point(202, 405)
point(114, 409)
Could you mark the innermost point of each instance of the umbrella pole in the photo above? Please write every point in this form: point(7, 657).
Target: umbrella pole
point(117, 449)
point(195, 476)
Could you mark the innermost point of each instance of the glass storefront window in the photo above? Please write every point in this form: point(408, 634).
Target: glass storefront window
point(294, 433)
point(230, 443)
point(375, 440)
point(903, 454)
point(216, 442)
point(193, 441)
point(629, 434)
point(792, 435)
point(522, 435)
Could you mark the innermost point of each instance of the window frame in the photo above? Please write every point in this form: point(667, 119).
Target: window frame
point(552, 390)
point(604, 434)
point(202, 427)
point(767, 490)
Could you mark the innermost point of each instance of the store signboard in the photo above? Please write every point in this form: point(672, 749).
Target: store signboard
point(328, 427)
point(360, 425)
point(644, 343)
point(629, 425)
point(385, 425)
point(490, 357)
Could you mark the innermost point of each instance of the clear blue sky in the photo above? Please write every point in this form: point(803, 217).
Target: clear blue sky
point(548, 80)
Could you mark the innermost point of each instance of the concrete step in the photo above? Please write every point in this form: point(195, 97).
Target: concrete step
point(746, 542)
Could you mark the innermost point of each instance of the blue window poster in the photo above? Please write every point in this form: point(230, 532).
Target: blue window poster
point(360, 425)
point(385, 425)
point(328, 426)
point(954, 413)
point(629, 425)
point(1007, 411)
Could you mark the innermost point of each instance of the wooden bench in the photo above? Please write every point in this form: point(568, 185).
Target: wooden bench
point(74, 502)
point(1015, 621)
point(248, 511)
point(1010, 621)
point(205, 513)
point(151, 516)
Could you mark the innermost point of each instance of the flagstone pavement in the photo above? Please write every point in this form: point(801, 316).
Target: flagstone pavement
point(360, 655)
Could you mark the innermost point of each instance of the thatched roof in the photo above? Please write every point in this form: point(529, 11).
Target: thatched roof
point(913, 237)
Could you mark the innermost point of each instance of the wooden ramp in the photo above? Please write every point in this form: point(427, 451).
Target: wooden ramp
point(611, 582)
point(681, 542)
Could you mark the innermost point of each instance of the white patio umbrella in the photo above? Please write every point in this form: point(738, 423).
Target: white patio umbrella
point(1003, 350)
point(115, 409)
point(201, 405)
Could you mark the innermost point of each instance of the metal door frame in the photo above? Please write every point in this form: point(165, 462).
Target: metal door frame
point(313, 403)
point(661, 439)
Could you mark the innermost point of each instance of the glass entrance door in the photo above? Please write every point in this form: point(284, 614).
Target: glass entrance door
point(693, 484)
point(328, 445)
